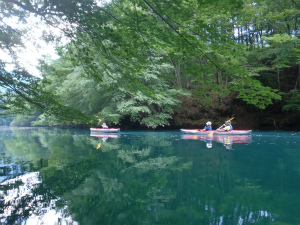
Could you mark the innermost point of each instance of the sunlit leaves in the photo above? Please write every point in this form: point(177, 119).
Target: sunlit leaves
point(253, 92)
point(133, 58)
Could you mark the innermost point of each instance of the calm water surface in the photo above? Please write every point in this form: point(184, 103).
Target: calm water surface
point(61, 176)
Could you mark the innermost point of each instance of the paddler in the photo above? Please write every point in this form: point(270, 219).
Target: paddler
point(227, 126)
point(104, 126)
point(208, 126)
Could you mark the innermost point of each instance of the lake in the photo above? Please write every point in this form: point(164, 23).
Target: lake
point(67, 176)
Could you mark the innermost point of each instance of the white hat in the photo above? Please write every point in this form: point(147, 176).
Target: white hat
point(208, 123)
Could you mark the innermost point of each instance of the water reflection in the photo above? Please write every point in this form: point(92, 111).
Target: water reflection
point(147, 178)
point(226, 140)
point(22, 200)
point(104, 137)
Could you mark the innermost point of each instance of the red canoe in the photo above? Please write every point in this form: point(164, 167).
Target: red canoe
point(94, 134)
point(219, 132)
point(108, 130)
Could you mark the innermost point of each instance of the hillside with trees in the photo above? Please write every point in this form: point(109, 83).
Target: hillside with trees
point(155, 64)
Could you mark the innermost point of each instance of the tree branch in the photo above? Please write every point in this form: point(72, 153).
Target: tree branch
point(177, 32)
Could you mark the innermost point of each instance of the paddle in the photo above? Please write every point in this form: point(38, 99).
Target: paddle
point(99, 120)
point(223, 124)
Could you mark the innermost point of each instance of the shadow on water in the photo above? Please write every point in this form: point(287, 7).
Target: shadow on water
point(70, 176)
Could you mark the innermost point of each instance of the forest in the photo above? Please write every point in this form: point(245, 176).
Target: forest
point(154, 64)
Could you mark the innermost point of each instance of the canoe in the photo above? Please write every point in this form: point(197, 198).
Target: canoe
point(108, 130)
point(219, 132)
point(95, 134)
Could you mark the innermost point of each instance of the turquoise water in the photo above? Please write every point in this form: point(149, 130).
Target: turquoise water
point(69, 176)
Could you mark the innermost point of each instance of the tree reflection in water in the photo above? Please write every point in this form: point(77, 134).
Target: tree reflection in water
point(147, 178)
point(22, 199)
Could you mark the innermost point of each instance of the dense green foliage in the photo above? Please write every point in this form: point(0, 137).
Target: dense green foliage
point(148, 60)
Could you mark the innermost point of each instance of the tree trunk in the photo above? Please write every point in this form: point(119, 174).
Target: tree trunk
point(278, 78)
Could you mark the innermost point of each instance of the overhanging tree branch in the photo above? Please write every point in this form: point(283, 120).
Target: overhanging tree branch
point(177, 32)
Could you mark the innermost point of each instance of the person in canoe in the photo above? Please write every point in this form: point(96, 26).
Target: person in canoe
point(208, 126)
point(226, 127)
point(104, 126)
